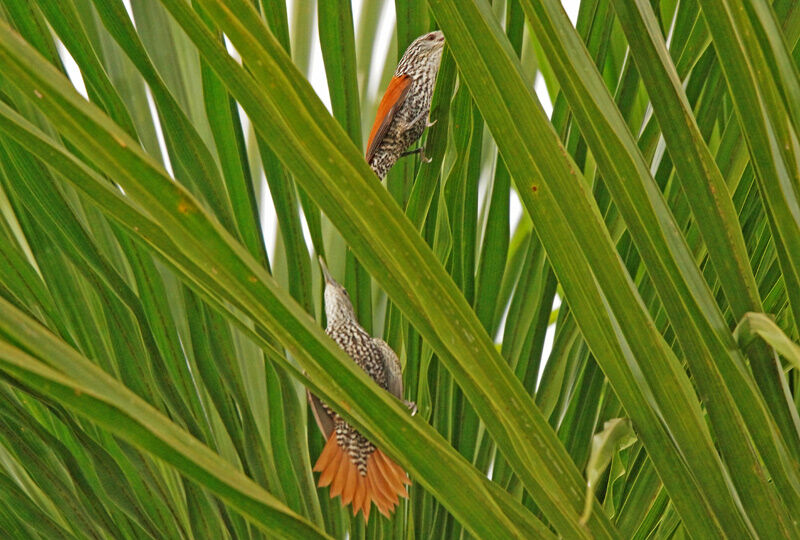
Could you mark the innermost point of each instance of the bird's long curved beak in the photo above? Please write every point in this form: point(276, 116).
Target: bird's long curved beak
point(325, 272)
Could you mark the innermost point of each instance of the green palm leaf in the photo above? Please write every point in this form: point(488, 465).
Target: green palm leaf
point(155, 354)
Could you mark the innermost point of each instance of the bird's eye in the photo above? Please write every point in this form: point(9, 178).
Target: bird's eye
point(431, 37)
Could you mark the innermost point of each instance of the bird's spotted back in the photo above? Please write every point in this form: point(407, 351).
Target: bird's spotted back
point(359, 346)
point(421, 63)
point(355, 341)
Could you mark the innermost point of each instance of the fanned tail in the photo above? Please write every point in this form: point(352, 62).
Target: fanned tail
point(384, 482)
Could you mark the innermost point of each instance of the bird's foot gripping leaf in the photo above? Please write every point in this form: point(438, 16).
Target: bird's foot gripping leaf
point(420, 151)
point(411, 406)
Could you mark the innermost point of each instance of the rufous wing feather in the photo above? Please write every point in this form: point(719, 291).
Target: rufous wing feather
point(392, 100)
point(382, 485)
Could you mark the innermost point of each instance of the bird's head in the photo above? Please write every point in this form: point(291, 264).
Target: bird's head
point(426, 50)
point(338, 307)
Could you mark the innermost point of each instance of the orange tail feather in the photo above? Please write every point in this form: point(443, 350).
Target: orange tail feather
point(330, 469)
point(384, 482)
point(384, 495)
point(395, 476)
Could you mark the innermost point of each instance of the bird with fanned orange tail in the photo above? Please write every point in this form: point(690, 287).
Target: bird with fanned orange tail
point(350, 464)
point(403, 111)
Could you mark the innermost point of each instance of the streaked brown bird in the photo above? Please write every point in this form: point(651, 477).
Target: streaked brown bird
point(352, 466)
point(403, 110)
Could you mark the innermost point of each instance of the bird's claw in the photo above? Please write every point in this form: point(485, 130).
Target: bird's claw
point(429, 123)
point(411, 406)
point(420, 151)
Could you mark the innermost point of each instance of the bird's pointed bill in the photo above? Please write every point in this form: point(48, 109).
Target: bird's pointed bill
point(325, 272)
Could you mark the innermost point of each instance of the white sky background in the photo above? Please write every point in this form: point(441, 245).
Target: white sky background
point(318, 81)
